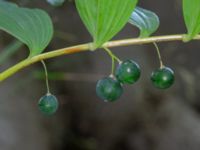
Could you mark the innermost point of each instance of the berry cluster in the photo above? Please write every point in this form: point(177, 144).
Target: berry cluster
point(128, 72)
point(110, 88)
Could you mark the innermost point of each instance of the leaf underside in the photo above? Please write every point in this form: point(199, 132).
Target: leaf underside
point(191, 13)
point(147, 21)
point(104, 18)
point(33, 27)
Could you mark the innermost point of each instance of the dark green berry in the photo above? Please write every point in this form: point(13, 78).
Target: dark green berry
point(48, 104)
point(56, 2)
point(109, 89)
point(162, 78)
point(128, 72)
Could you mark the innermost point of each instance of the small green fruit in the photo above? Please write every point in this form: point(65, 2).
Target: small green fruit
point(109, 89)
point(48, 104)
point(162, 78)
point(56, 2)
point(128, 72)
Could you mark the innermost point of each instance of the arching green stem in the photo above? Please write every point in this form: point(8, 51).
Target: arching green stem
point(85, 47)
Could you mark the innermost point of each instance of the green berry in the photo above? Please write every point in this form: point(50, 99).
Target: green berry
point(109, 89)
point(56, 2)
point(162, 78)
point(128, 72)
point(48, 104)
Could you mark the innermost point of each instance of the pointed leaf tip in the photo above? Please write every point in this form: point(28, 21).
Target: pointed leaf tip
point(104, 18)
point(191, 13)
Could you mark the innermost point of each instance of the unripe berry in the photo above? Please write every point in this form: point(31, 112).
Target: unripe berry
point(56, 2)
point(162, 78)
point(48, 104)
point(109, 89)
point(128, 72)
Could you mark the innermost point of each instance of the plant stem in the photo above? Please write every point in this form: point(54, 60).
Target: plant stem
point(159, 55)
point(85, 47)
point(46, 77)
point(138, 41)
point(70, 50)
point(112, 55)
point(113, 58)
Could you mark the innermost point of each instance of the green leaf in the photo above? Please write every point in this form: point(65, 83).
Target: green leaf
point(33, 27)
point(191, 12)
point(104, 18)
point(147, 21)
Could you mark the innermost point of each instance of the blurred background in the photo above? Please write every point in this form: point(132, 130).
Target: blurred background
point(144, 118)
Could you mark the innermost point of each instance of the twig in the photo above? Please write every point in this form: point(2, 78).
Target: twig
point(85, 47)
